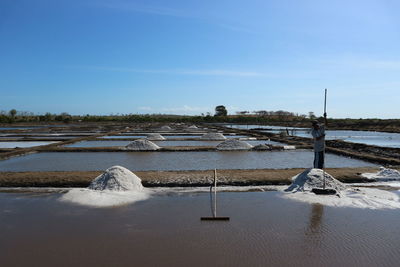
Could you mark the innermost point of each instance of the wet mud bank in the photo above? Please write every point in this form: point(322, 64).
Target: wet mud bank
point(177, 178)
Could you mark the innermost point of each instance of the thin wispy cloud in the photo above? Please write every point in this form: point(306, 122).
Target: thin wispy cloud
point(171, 12)
point(206, 72)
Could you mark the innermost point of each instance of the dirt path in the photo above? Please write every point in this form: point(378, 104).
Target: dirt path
point(174, 178)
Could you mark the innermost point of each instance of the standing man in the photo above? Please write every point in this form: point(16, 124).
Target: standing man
point(318, 134)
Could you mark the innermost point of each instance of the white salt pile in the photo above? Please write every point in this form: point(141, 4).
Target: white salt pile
point(166, 128)
point(142, 145)
point(384, 174)
point(313, 178)
point(233, 144)
point(193, 127)
point(116, 186)
point(300, 190)
point(213, 136)
point(117, 178)
point(154, 137)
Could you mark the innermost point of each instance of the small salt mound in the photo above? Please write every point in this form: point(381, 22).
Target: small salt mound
point(166, 127)
point(213, 136)
point(233, 144)
point(313, 178)
point(117, 178)
point(262, 147)
point(384, 174)
point(193, 127)
point(142, 145)
point(116, 186)
point(155, 137)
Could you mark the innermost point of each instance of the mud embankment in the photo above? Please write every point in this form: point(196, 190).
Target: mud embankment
point(176, 178)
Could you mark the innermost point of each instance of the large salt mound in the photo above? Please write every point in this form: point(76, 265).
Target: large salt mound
point(384, 174)
point(154, 137)
point(142, 145)
point(313, 178)
point(116, 186)
point(300, 190)
point(233, 144)
point(117, 178)
point(213, 136)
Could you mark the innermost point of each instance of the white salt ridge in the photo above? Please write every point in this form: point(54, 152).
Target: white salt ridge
point(384, 174)
point(300, 190)
point(142, 145)
point(233, 144)
point(154, 137)
point(213, 136)
point(116, 186)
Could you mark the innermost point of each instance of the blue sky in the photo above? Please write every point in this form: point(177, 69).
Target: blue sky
point(186, 57)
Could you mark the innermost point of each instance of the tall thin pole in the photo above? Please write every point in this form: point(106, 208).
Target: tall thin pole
point(323, 165)
point(215, 192)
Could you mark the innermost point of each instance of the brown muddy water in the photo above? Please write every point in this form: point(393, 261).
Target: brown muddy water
point(165, 230)
point(163, 161)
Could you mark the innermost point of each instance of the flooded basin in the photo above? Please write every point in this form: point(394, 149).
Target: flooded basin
point(362, 137)
point(383, 139)
point(264, 230)
point(88, 161)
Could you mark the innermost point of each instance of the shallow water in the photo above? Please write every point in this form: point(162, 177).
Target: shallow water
point(264, 230)
point(362, 137)
point(383, 139)
point(163, 143)
point(88, 161)
point(23, 144)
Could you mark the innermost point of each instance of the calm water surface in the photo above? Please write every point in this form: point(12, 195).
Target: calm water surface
point(264, 230)
point(363, 137)
point(88, 161)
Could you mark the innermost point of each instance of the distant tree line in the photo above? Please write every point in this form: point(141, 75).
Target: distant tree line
point(260, 117)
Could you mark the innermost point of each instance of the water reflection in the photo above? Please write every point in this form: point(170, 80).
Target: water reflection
point(315, 223)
